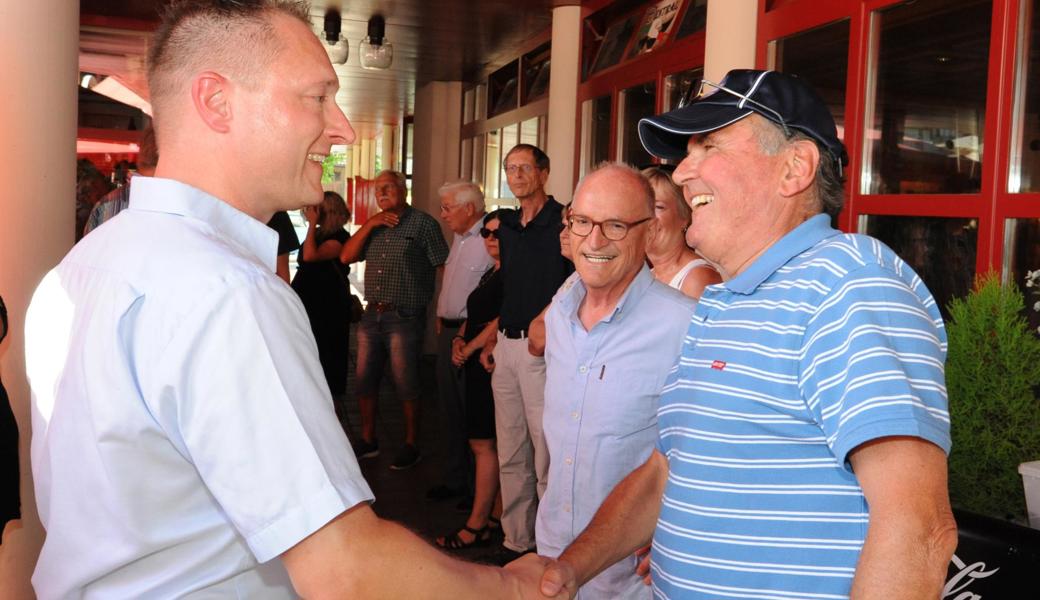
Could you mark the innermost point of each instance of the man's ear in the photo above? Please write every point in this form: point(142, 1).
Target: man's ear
point(801, 158)
point(211, 95)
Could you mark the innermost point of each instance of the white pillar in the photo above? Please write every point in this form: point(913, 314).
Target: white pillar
point(435, 159)
point(38, 168)
point(730, 37)
point(563, 101)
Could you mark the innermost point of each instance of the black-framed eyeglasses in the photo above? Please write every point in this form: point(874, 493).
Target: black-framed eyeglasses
point(689, 97)
point(612, 229)
point(488, 233)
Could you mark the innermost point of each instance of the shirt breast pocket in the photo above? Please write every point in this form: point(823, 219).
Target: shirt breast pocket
point(624, 403)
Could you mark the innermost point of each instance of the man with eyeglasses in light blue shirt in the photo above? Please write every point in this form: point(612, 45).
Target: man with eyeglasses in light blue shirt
point(613, 334)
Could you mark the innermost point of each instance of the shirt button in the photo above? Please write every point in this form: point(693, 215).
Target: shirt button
point(566, 508)
point(382, 256)
point(569, 460)
point(583, 369)
point(379, 271)
point(574, 415)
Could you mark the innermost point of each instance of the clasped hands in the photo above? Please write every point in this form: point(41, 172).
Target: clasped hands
point(541, 577)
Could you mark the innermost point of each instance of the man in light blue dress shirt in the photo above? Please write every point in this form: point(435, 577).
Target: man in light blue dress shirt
point(614, 333)
point(184, 439)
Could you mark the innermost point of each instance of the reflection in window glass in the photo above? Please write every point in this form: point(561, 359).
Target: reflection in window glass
point(596, 137)
point(1022, 254)
point(925, 132)
point(820, 58)
point(478, 161)
point(529, 131)
point(695, 19)
point(683, 84)
point(1025, 157)
point(509, 139)
point(635, 103)
point(614, 42)
point(466, 160)
point(492, 164)
point(467, 105)
point(940, 250)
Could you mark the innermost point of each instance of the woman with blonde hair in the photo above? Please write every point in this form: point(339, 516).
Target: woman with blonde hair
point(675, 263)
point(321, 282)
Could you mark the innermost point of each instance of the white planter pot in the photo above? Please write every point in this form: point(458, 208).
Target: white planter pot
point(1030, 472)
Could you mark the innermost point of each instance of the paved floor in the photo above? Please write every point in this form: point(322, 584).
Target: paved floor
point(401, 495)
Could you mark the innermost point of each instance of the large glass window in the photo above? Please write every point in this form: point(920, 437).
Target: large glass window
point(635, 103)
point(928, 98)
point(1022, 257)
point(1025, 149)
point(492, 164)
point(695, 18)
point(615, 40)
point(681, 85)
point(940, 250)
point(596, 137)
point(509, 139)
point(819, 57)
point(529, 131)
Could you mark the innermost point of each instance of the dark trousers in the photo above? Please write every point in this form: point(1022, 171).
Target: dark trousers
point(457, 464)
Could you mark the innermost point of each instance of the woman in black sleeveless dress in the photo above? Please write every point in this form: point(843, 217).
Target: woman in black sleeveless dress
point(321, 283)
point(482, 308)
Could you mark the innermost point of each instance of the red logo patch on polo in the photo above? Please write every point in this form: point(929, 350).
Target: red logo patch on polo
point(718, 365)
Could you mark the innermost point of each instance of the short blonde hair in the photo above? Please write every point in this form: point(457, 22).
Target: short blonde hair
point(235, 38)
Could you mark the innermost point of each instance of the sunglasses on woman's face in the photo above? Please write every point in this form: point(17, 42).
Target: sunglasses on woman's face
point(486, 233)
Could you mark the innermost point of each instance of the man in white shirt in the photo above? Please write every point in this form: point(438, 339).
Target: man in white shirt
point(183, 434)
point(462, 210)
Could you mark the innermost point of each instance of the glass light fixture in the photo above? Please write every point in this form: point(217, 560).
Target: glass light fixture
point(375, 52)
point(335, 44)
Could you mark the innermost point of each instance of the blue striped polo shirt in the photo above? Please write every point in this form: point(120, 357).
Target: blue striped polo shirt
point(825, 342)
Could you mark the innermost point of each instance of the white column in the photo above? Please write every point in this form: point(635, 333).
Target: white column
point(435, 159)
point(40, 43)
point(730, 37)
point(563, 101)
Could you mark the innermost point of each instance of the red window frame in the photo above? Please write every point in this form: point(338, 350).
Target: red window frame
point(993, 204)
point(677, 55)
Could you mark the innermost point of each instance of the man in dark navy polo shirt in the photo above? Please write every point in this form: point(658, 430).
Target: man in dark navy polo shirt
point(532, 271)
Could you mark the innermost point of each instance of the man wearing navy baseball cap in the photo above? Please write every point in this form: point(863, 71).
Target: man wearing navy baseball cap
point(803, 434)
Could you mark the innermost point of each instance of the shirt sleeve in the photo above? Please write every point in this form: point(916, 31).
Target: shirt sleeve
point(241, 389)
point(436, 247)
point(872, 364)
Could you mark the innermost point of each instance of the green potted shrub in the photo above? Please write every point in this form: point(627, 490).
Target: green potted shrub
point(992, 374)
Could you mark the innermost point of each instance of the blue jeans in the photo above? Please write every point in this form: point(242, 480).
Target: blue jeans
point(397, 334)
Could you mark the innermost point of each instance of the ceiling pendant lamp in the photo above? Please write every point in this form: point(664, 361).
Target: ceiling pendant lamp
point(335, 44)
point(375, 52)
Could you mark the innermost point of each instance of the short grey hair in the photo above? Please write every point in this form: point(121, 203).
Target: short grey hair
point(399, 180)
point(829, 188)
point(626, 169)
point(464, 192)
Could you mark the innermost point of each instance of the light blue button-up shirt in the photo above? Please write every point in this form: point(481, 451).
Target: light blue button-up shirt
point(183, 433)
point(468, 260)
point(600, 417)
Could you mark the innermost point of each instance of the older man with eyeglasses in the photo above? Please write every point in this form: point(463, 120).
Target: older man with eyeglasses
point(802, 435)
point(613, 334)
point(532, 271)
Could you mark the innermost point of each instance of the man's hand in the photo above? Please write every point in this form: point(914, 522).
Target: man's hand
point(643, 568)
point(529, 570)
point(384, 219)
point(558, 580)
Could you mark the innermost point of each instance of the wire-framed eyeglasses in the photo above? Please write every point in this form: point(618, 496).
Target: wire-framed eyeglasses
point(613, 229)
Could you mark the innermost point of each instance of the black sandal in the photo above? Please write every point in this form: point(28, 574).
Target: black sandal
point(453, 542)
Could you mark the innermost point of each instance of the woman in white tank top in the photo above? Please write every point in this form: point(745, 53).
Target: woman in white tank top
point(673, 261)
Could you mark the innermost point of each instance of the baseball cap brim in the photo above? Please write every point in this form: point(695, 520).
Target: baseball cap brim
point(666, 135)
